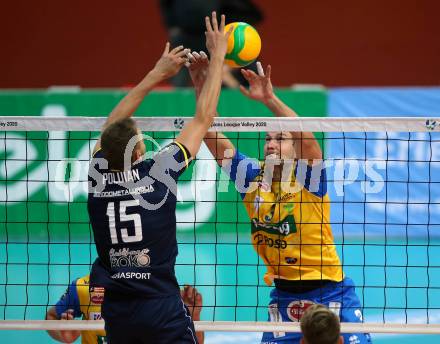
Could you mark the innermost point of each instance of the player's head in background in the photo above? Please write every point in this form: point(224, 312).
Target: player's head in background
point(280, 145)
point(115, 139)
point(319, 325)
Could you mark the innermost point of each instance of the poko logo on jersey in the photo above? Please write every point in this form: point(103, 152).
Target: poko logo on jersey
point(126, 258)
point(296, 309)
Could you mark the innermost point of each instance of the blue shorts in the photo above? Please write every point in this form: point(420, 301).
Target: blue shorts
point(159, 320)
point(340, 297)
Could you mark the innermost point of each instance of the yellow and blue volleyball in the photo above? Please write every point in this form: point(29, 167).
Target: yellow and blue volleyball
point(244, 45)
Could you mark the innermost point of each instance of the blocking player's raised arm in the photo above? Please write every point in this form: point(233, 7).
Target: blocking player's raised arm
point(218, 144)
point(167, 66)
point(216, 42)
point(260, 89)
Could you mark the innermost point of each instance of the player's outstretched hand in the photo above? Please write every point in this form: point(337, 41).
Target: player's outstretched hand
point(170, 62)
point(193, 300)
point(198, 68)
point(216, 38)
point(260, 85)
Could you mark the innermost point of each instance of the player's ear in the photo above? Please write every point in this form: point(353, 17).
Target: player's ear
point(137, 154)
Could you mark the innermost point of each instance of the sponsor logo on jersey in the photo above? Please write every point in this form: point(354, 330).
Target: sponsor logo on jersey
point(286, 197)
point(296, 309)
point(284, 227)
point(124, 257)
point(291, 260)
point(132, 275)
point(95, 316)
point(97, 297)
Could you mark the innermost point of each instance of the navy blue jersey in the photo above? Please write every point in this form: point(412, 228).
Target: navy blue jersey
point(133, 218)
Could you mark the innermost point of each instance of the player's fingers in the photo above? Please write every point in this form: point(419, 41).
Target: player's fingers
point(182, 60)
point(260, 69)
point(167, 49)
point(63, 316)
point(203, 55)
point(222, 23)
point(214, 21)
point(227, 34)
point(196, 56)
point(176, 49)
point(199, 299)
point(208, 25)
point(244, 90)
point(252, 75)
point(268, 71)
point(187, 294)
point(183, 52)
point(190, 293)
point(246, 75)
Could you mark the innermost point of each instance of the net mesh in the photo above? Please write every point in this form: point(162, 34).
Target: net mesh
point(383, 182)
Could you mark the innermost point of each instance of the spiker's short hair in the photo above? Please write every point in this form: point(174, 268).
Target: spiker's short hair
point(114, 140)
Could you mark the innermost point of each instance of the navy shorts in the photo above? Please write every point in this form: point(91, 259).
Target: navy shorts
point(159, 320)
point(340, 297)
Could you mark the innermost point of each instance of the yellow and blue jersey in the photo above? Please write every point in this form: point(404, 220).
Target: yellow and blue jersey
point(290, 225)
point(85, 303)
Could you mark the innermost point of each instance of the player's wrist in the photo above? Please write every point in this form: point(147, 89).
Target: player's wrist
point(217, 57)
point(270, 100)
point(156, 76)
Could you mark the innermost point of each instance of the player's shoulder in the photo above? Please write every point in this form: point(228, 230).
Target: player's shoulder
point(82, 284)
point(97, 153)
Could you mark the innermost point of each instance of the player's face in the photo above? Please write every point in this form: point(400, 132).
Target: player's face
point(279, 144)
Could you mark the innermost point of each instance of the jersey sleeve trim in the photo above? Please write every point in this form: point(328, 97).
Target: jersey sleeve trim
point(96, 152)
point(185, 152)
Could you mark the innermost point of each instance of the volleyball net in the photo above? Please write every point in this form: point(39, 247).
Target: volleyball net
point(383, 180)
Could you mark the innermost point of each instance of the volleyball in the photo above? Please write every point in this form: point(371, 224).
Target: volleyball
point(244, 45)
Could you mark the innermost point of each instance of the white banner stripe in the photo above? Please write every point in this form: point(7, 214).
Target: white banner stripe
point(232, 124)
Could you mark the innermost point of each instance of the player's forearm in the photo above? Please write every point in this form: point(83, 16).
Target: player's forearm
point(199, 334)
point(279, 108)
point(128, 105)
point(200, 337)
point(209, 95)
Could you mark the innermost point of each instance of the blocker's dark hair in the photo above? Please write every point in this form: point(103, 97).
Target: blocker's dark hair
point(114, 140)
